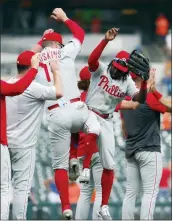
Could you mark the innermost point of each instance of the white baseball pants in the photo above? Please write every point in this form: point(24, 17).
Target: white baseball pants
point(22, 165)
point(86, 190)
point(5, 182)
point(144, 172)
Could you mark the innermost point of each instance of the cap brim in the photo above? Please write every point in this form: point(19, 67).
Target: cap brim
point(119, 66)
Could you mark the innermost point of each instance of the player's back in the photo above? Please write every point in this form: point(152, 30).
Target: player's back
point(66, 58)
point(24, 115)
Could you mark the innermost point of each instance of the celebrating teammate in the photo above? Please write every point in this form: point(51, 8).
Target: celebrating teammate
point(13, 89)
point(24, 112)
point(141, 128)
point(68, 114)
point(108, 87)
point(86, 191)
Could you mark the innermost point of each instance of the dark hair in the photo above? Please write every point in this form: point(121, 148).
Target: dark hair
point(21, 68)
point(115, 73)
point(83, 85)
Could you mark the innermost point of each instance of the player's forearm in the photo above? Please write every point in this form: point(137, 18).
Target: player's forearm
point(95, 55)
point(38, 47)
point(141, 96)
point(58, 84)
point(20, 86)
point(76, 30)
point(129, 105)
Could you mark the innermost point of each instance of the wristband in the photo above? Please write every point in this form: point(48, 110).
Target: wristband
point(144, 85)
point(157, 94)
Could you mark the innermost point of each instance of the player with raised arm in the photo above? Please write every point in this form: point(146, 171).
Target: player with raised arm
point(68, 114)
point(11, 89)
point(24, 116)
point(108, 86)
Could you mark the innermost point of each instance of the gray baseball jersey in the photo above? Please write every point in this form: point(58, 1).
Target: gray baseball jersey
point(24, 115)
point(105, 93)
point(65, 56)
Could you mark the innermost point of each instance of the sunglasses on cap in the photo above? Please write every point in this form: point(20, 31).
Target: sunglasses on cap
point(122, 61)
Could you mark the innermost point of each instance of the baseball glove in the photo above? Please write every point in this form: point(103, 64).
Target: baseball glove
point(138, 63)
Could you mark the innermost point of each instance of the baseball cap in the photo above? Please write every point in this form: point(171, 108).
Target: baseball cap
point(53, 36)
point(25, 58)
point(123, 55)
point(85, 74)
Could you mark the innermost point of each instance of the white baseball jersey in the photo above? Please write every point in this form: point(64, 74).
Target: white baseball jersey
point(66, 58)
point(105, 93)
point(24, 114)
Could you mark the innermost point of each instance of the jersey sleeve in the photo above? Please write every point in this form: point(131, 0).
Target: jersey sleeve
point(42, 92)
point(132, 90)
point(101, 69)
point(20, 86)
point(154, 104)
point(72, 48)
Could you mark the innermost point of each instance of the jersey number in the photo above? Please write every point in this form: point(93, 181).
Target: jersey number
point(44, 66)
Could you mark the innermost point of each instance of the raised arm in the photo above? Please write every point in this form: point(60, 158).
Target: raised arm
point(141, 96)
point(59, 15)
point(20, 86)
point(93, 60)
point(57, 78)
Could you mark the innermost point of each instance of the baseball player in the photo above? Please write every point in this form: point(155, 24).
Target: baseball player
point(86, 191)
point(24, 116)
point(8, 89)
point(108, 86)
point(143, 153)
point(68, 114)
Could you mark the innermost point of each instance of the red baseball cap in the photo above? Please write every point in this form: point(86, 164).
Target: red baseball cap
point(53, 36)
point(25, 58)
point(85, 74)
point(121, 55)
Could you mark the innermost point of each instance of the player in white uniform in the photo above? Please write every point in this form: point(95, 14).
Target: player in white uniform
point(24, 116)
point(108, 86)
point(69, 114)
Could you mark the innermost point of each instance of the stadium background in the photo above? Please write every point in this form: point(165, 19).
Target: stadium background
point(142, 27)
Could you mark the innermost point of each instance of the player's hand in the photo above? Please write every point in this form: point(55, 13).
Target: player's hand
point(35, 60)
point(111, 34)
point(151, 83)
point(48, 31)
point(54, 66)
point(59, 15)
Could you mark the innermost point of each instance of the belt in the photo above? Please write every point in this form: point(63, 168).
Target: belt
point(104, 116)
point(57, 105)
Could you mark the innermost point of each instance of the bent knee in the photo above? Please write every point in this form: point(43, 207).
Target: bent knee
point(95, 129)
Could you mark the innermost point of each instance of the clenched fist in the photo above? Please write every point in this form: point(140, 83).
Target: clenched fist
point(59, 15)
point(35, 60)
point(111, 34)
